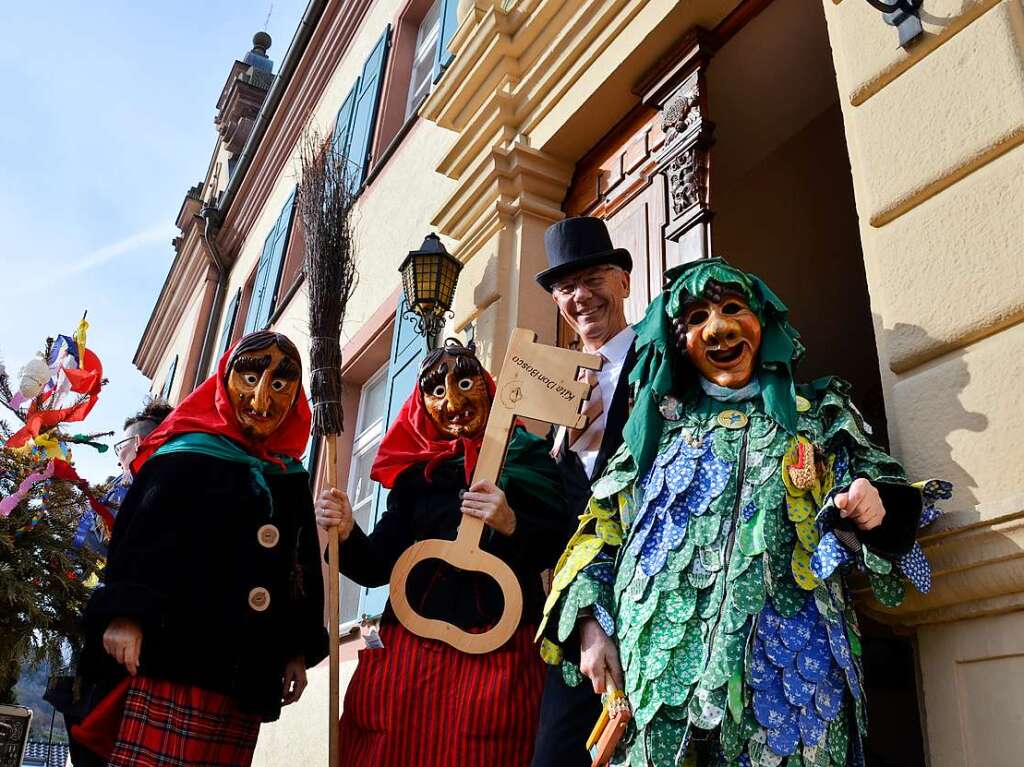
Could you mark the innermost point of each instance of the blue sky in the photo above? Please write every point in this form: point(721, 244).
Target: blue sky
point(106, 121)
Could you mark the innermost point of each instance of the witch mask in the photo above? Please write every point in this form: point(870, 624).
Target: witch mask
point(455, 393)
point(263, 377)
point(721, 334)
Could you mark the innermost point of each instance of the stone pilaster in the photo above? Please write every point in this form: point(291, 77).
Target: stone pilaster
point(934, 133)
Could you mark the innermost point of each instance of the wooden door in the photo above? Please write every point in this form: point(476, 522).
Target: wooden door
point(617, 181)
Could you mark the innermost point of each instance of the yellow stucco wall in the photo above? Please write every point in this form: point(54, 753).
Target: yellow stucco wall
point(934, 137)
point(934, 134)
point(179, 346)
point(391, 216)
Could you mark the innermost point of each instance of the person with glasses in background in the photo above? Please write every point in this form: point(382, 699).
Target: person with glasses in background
point(588, 279)
point(66, 691)
point(136, 429)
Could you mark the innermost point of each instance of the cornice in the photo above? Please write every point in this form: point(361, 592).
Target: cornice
point(502, 184)
point(511, 66)
point(332, 37)
point(190, 268)
point(977, 561)
point(525, 47)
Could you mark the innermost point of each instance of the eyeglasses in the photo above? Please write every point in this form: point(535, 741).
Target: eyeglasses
point(592, 281)
point(123, 443)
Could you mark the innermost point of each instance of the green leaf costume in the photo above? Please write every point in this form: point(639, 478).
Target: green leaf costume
point(712, 553)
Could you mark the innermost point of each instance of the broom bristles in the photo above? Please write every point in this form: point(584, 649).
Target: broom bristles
point(325, 202)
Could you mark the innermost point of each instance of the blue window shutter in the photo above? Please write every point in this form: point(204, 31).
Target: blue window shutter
point(229, 322)
point(313, 456)
point(343, 122)
point(449, 24)
point(255, 311)
point(268, 271)
point(407, 350)
point(364, 118)
point(282, 232)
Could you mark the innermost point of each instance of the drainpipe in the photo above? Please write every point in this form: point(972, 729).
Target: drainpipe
point(218, 296)
point(214, 214)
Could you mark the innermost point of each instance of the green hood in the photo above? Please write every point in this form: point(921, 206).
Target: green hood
point(659, 372)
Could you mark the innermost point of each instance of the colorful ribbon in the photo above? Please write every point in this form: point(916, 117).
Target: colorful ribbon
point(8, 504)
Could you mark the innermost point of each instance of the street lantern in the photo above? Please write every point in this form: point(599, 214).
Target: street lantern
point(429, 276)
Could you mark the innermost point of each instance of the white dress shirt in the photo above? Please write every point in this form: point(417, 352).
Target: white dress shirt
point(614, 351)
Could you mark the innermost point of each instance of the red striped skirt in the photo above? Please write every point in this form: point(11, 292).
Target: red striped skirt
point(420, 702)
point(166, 724)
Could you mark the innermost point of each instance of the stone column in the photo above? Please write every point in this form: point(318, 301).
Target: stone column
point(508, 193)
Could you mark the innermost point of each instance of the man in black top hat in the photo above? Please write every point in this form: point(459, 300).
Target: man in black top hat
point(588, 280)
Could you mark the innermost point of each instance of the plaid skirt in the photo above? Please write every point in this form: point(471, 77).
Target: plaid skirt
point(166, 724)
point(421, 702)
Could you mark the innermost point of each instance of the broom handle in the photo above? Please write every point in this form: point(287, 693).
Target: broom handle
point(333, 611)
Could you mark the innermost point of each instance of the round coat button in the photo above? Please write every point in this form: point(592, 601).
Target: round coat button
point(268, 536)
point(732, 419)
point(259, 599)
point(802, 404)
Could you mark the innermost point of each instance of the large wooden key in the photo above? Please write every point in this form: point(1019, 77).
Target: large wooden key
point(537, 381)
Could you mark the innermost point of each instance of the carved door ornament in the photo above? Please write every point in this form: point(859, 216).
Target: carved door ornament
point(677, 88)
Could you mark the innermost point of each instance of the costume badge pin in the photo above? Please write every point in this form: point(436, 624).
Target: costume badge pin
point(732, 419)
point(803, 471)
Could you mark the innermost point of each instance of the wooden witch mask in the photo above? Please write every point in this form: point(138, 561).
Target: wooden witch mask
point(454, 391)
point(721, 335)
point(263, 377)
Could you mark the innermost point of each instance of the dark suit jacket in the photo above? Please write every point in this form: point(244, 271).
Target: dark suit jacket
point(574, 476)
point(568, 713)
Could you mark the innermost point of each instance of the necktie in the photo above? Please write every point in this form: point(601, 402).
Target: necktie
point(583, 439)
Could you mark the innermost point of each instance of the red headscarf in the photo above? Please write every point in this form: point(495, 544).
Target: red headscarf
point(208, 409)
point(414, 438)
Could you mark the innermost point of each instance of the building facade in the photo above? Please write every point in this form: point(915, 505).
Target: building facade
point(878, 188)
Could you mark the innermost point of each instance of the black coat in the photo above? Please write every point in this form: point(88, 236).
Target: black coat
point(184, 558)
point(418, 509)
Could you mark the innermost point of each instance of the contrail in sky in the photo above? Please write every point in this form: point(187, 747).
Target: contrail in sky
point(163, 232)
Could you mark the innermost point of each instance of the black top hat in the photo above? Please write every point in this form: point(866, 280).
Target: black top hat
point(579, 243)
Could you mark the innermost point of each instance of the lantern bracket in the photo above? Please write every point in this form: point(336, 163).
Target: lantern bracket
point(429, 326)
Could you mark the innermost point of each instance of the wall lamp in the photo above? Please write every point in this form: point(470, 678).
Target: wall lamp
point(429, 277)
point(902, 14)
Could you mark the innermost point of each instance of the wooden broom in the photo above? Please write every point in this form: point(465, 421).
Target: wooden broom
point(325, 204)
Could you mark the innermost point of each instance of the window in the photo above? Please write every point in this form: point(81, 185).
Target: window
point(229, 323)
point(165, 391)
point(431, 55)
point(357, 118)
point(371, 423)
point(423, 58)
point(407, 349)
point(268, 270)
point(380, 401)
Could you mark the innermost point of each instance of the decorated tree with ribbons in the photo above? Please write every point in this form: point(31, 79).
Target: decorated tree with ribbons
point(48, 513)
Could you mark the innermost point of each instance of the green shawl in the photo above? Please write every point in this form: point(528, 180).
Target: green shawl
point(657, 372)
